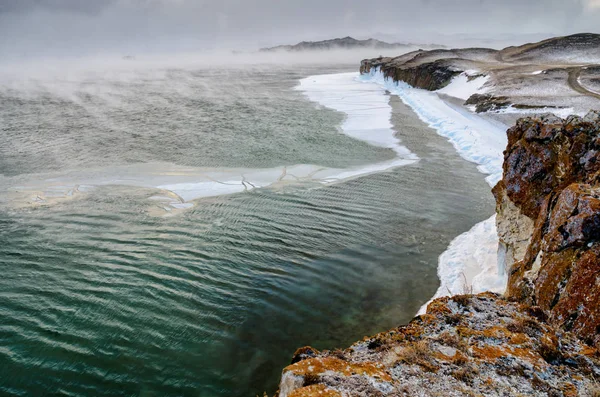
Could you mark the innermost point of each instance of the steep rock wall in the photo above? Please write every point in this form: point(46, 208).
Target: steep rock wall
point(430, 76)
point(552, 176)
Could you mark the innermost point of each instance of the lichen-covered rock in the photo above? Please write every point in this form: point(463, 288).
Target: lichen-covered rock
point(464, 345)
point(574, 220)
point(315, 391)
point(545, 154)
point(561, 269)
point(552, 176)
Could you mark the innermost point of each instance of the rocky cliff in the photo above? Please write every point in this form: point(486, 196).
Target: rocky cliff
point(552, 180)
point(478, 345)
point(559, 73)
point(542, 337)
point(430, 70)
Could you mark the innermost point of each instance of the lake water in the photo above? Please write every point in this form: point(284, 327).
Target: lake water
point(113, 285)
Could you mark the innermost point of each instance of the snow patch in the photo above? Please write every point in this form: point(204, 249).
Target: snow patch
point(464, 86)
point(562, 113)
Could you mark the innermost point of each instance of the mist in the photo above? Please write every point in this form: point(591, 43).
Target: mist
point(59, 28)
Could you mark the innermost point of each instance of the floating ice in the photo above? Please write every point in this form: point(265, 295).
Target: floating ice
point(368, 115)
point(367, 108)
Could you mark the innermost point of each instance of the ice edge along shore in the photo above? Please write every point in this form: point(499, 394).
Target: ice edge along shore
point(471, 263)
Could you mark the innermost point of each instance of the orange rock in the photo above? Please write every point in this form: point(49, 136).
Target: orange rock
point(317, 366)
point(315, 391)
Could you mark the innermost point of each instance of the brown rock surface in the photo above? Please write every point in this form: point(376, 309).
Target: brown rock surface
point(551, 174)
point(546, 154)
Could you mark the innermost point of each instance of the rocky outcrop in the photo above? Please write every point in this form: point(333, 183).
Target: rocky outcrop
point(544, 75)
point(552, 176)
point(430, 76)
point(464, 346)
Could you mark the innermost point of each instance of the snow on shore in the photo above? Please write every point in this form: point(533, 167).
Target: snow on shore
point(476, 139)
point(464, 85)
point(470, 264)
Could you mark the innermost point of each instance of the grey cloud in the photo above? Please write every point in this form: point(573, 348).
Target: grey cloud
point(30, 26)
point(77, 6)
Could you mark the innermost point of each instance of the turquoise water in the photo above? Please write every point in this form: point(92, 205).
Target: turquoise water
point(99, 296)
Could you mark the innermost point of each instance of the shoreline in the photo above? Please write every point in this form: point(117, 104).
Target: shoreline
point(471, 262)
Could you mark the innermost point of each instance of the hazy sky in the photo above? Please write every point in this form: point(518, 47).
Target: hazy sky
point(71, 26)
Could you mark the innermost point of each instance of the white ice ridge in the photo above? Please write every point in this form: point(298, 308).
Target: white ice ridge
point(470, 265)
point(471, 261)
point(476, 139)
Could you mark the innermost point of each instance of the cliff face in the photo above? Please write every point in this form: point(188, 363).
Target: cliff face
point(552, 178)
point(542, 338)
point(430, 75)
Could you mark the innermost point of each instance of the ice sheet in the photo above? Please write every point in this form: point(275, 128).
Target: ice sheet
point(368, 115)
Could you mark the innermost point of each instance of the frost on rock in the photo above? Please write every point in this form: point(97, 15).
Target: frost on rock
point(466, 344)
